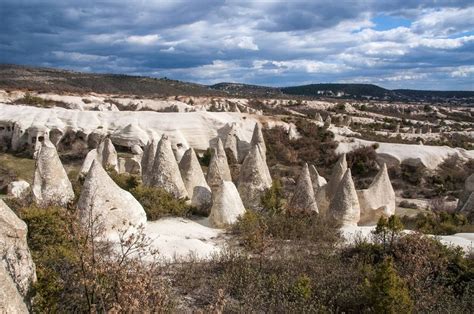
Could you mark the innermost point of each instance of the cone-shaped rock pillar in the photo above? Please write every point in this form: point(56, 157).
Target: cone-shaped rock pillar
point(51, 184)
point(147, 161)
point(103, 204)
point(218, 167)
point(257, 139)
point(466, 200)
point(231, 142)
point(303, 200)
point(378, 199)
point(337, 173)
point(344, 206)
point(17, 270)
point(254, 178)
point(165, 172)
point(227, 205)
point(194, 181)
point(107, 154)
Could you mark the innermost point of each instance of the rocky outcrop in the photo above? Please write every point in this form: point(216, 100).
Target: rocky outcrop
point(257, 139)
point(194, 181)
point(344, 206)
point(107, 155)
point(51, 184)
point(318, 117)
point(231, 142)
point(254, 178)
point(148, 158)
point(377, 200)
point(18, 189)
point(103, 202)
point(17, 270)
point(227, 205)
point(466, 200)
point(218, 167)
point(130, 165)
point(319, 187)
point(165, 172)
point(303, 200)
point(86, 164)
point(337, 173)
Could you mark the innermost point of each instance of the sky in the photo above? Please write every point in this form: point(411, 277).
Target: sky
point(392, 43)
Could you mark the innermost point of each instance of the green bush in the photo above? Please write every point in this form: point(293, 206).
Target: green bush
point(158, 203)
point(439, 223)
point(273, 198)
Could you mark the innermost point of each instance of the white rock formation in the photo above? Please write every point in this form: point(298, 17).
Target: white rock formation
point(51, 184)
point(319, 187)
point(218, 167)
point(165, 172)
point(378, 199)
point(87, 163)
point(344, 206)
point(231, 141)
point(17, 270)
point(318, 117)
point(103, 202)
point(303, 200)
point(466, 201)
point(194, 181)
point(107, 155)
point(337, 173)
point(148, 158)
point(254, 178)
point(257, 139)
point(227, 205)
point(18, 189)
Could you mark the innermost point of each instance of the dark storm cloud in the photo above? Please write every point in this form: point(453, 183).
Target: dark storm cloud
point(264, 42)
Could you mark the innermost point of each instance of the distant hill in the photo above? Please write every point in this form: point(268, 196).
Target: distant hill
point(56, 80)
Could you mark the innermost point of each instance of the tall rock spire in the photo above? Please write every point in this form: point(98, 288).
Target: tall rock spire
point(147, 161)
point(227, 205)
point(378, 199)
point(344, 206)
point(165, 172)
point(218, 167)
point(254, 178)
point(194, 180)
point(51, 184)
point(303, 200)
point(257, 139)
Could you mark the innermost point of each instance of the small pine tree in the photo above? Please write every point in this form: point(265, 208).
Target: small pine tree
point(387, 292)
point(272, 200)
point(388, 230)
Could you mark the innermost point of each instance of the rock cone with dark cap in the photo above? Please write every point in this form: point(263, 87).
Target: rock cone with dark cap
point(344, 206)
point(194, 180)
point(51, 184)
point(303, 200)
point(165, 172)
point(254, 178)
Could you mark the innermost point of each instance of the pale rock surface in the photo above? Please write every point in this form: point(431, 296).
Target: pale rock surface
point(87, 163)
point(103, 201)
point(131, 165)
point(466, 200)
point(198, 190)
point(227, 205)
point(218, 167)
point(165, 172)
point(303, 200)
point(319, 187)
point(148, 158)
point(378, 199)
point(344, 206)
point(231, 141)
point(257, 139)
point(132, 134)
point(337, 173)
point(254, 178)
point(51, 184)
point(17, 270)
point(18, 189)
point(107, 155)
point(318, 117)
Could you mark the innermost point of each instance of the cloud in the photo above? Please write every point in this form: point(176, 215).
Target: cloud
point(143, 40)
point(259, 42)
